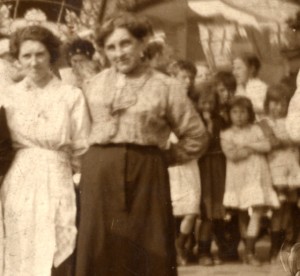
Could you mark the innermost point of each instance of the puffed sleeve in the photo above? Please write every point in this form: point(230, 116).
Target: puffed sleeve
point(104, 124)
point(293, 118)
point(80, 127)
point(187, 126)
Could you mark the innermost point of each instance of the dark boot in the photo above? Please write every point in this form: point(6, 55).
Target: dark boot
point(220, 238)
point(275, 246)
point(286, 243)
point(233, 238)
point(180, 249)
point(190, 246)
point(250, 256)
point(205, 257)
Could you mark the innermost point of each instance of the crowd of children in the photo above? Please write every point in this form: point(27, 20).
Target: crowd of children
point(249, 172)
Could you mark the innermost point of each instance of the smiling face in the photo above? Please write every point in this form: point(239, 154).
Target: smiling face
point(34, 59)
point(123, 50)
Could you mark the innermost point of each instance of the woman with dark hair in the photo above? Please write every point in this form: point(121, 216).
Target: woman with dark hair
point(49, 124)
point(245, 70)
point(126, 225)
point(79, 55)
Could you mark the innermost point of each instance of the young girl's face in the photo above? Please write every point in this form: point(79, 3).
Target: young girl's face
point(239, 116)
point(223, 93)
point(277, 109)
point(203, 74)
point(207, 104)
point(186, 78)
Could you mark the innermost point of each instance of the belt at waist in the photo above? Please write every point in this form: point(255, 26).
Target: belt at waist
point(129, 146)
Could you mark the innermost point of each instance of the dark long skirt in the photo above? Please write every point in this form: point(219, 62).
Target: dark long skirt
point(65, 269)
point(126, 225)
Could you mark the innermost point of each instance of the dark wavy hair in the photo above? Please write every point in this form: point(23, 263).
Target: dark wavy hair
point(277, 93)
point(152, 49)
point(138, 27)
point(242, 102)
point(36, 33)
point(227, 79)
point(251, 60)
point(81, 46)
point(187, 66)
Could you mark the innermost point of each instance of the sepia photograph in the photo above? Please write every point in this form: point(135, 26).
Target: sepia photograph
point(149, 137)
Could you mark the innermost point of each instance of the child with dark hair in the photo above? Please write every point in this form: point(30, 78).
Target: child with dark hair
point(185, 185)
point(158, 54)
point(248, 180)
point(212, 167)
point(185, 71)
point(283, 161)
point(225, 86)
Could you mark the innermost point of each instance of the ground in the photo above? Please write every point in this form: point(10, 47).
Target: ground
point(238, 269)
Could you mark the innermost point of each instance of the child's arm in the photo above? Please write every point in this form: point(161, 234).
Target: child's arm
point(232, 151)
point(269, 134)
point(261, 144)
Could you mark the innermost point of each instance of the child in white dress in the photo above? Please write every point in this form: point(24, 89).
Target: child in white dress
point(248, 180)
point(185, 195)
point(283, 162)
point(184, 178)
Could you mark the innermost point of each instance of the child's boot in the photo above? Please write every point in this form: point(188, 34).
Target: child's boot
point(250, 257)
point(275, 246)
point(180, 249)
point(205, 257)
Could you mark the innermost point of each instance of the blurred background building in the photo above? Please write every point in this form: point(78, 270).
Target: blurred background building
point(199, 30)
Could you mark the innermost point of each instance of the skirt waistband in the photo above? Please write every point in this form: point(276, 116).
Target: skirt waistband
point(43, 153)
point(129, 146)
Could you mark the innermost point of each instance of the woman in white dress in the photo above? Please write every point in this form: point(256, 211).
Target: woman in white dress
point(245, 70)
point(49, 125)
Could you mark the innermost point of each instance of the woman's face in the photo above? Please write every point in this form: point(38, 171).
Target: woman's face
point(77, 59)
point(239, 116)
point(240, 71)
point(123, 50)
point(223, 93)
point(34, 59)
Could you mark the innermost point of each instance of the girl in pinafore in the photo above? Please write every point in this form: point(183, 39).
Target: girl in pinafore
point(283, 162)
point(212, 168)
point(248, 180)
